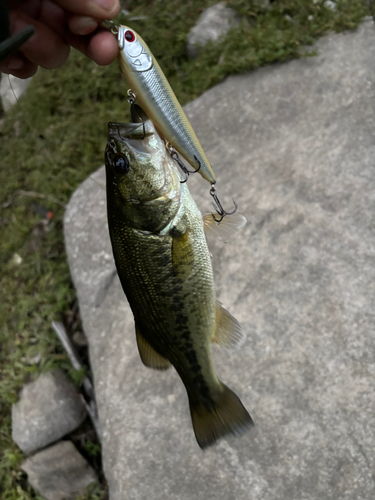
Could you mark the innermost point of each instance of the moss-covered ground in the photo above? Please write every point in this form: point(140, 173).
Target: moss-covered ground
point(55, 136)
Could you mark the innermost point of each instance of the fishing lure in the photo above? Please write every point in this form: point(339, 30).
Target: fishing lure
point(156, 97)
point(160, 105)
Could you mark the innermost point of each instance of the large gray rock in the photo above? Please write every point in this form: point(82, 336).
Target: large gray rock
point(48, 408)
point(59, 472)
point(212, 24)
point(294, 145)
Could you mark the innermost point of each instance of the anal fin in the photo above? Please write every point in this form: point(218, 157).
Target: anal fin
point(229, 332)
point(149, 356)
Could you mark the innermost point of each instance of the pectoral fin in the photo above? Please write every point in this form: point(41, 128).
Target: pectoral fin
point(182, 253)
point(149, 356)
point(229, 332)
point(226, 230)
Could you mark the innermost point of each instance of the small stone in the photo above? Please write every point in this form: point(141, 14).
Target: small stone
point(47, 410)
point(265, 4)
point(330, 5)
point(79, 339)
point(213, 23)
point(33, 360)
point(16, 260)
point(11, 89)
point(59, 472)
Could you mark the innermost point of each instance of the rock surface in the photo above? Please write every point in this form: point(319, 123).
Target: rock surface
point(48, 408)
point(213, 23)
point(294, 144)
point(11, 89)
point(59, 472)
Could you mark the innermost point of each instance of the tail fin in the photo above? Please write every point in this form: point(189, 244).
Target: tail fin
point(228, 415)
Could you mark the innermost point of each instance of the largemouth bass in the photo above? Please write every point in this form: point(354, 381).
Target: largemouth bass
point(158, 100)
point(165, 269)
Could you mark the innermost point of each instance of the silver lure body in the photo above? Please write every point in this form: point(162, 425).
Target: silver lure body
point(156, 97)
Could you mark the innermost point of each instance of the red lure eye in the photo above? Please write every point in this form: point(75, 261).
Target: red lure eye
point(129, 36)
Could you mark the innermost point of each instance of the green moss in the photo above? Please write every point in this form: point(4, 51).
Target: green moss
point(56, 135)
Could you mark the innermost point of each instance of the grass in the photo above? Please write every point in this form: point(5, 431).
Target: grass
point(56, 135)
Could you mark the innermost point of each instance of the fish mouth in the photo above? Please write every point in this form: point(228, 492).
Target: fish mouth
point(137, 132)
point(117, 130)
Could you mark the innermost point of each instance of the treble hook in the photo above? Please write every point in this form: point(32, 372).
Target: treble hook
point(219, 209)
point(176, 158)
point(131, 98)
point(121, 137)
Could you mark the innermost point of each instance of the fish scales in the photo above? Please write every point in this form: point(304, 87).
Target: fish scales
point(165, 270)
point(156, 289)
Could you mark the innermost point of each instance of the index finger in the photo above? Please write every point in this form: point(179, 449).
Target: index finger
point(100, 9)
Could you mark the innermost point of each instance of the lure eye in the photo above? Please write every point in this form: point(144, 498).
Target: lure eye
point(129, 36)
point(121, 164)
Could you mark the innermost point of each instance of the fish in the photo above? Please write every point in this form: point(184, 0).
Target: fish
point(164, 265)
point(156, 97)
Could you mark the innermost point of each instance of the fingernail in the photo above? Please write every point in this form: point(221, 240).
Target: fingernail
point(106, 4)
point(15, 63)
point(85, 26)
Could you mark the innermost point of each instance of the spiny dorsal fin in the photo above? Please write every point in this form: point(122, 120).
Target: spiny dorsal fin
point(149, 356)
point(226, 230)
point(229, 332)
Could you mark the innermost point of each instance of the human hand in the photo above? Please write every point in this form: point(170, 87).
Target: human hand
point(60, 24)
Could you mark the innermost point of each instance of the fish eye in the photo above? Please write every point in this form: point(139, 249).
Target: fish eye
point(129, 36)
point(121, 164)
